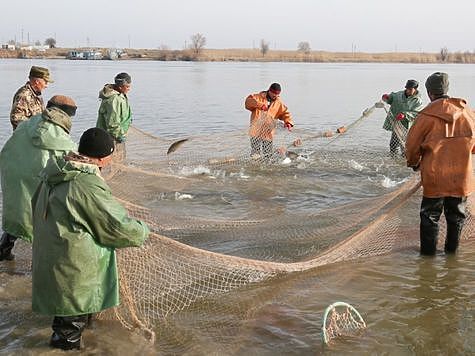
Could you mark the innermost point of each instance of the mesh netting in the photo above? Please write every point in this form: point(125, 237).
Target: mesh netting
point(341, 319)
point(224, 217)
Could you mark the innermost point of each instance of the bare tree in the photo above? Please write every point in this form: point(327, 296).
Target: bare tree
point(37, 43)
point(264, 47)
point(304, 47)
point(198, 42)
point(50, 42)
point(444, 54)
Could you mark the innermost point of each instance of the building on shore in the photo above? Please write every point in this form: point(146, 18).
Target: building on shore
point(88, 55)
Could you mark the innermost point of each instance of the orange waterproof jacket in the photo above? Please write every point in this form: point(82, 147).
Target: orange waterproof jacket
point(441, 142)
point(277, 110)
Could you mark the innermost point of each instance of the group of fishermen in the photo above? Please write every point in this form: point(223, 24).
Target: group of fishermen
point(438, 140)
point(55, 197)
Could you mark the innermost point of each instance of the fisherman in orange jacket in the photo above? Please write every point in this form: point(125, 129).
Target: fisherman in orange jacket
point(266, 107)
point(441, 144)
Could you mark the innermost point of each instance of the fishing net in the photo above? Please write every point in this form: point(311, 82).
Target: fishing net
point(225, 218)
point(341, 319)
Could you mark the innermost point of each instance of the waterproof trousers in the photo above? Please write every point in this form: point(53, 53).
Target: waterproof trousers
point(431, 209)
point(396, 146)
point(67, 331)
point(7, 242)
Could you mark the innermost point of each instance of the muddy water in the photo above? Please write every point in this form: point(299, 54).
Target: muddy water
point(412, 305)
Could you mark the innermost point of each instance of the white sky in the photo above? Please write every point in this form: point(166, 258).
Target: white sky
point(333, 25)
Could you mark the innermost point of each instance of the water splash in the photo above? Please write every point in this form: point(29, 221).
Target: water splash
point(193, 171)
point(179, 196)
point(355, 165)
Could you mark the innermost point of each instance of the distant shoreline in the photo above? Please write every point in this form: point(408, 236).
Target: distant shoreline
point(255, 55)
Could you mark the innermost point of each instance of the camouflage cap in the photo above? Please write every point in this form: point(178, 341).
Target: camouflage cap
point(40, 72)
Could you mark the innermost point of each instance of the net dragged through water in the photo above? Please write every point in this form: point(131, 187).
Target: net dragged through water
point(222, 219)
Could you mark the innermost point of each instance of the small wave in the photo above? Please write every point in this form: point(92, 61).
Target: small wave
point(179, 196)
point(239, 174)
point(192, 171)
point(388, 182)
point(355, 165)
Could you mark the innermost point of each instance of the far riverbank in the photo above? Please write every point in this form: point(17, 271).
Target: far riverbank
point(255, 55)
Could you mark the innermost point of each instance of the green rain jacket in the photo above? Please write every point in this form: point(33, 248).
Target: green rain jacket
point(114, 114)
point(409, 106)
point(23, 156)
point(77, 225)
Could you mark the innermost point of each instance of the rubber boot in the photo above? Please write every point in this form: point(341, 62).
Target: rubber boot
point(67, 332)
point(428, 236)
point(453, 237)
point(7, 242)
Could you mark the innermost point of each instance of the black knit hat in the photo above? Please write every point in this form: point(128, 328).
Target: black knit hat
point(96, 143)
point(412, 83)
point(438, 83)
point(275, 87)
point(122, 79)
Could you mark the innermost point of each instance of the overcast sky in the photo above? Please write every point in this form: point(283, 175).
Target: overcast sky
point(333, 25)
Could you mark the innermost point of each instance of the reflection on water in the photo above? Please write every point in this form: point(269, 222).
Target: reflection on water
point(412, 305)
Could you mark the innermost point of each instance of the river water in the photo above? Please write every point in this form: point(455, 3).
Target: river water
point(412, 305)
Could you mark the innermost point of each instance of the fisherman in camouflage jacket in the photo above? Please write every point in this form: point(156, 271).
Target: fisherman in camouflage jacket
point(27, 101)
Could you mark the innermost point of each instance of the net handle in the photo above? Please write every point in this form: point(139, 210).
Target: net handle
point(327, 312)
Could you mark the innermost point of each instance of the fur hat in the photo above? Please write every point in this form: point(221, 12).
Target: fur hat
point(64, 103)
point(438, 83)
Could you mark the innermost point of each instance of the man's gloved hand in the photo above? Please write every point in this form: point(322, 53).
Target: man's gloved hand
point(385, 97)
point(264, 107)
point(288, 125)
point(400, 116)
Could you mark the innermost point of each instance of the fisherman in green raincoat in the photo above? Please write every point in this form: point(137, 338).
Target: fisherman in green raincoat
point(405, 105)
point(115, 115)
point(77, 224)
point(23, 156)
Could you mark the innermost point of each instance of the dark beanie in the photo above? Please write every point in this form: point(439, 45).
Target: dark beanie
point(96, 142)
point(412, 83)
point(64, 103)
point(438, 83)
point(275, 87)
point(122, 79)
